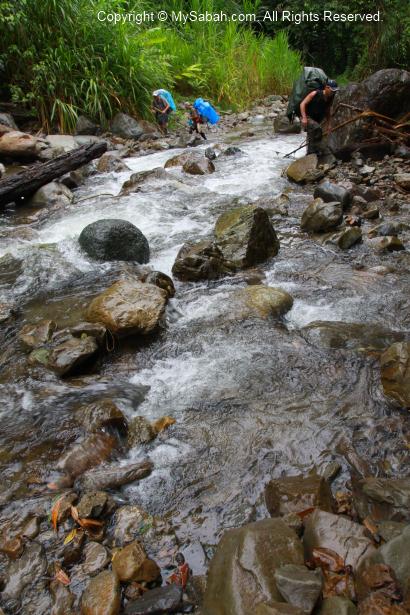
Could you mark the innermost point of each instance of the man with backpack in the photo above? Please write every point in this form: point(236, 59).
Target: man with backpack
point(314, 108)
point(162, 106)
point(311, 100)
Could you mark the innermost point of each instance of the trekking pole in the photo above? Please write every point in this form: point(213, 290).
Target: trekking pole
point(295, 150)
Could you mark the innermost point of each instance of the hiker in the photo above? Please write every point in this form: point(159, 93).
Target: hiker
point(162, 109)
point(314, 108)
point(195, 121)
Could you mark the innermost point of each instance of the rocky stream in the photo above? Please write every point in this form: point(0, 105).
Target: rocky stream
point(250, 374)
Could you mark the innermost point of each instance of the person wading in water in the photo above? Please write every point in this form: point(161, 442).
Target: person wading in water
point(162, 110)
point(314, 108)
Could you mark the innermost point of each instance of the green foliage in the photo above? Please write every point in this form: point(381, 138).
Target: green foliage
point(61, 59)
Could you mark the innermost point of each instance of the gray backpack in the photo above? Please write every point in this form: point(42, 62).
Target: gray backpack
point(312, 78)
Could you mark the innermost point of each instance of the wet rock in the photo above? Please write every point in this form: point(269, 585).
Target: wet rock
point(335, 334)
point(297, 493)
point(201, 261)
point(129, 307)
point(72, 552)
point(16, 145)
point(140, 431)
point(320, 216)
point(92, 329)
point(299, 586)
point(282, 125)
point(126, 127)
point(395, 373)
point(382, 498)
point(157, 278)
point(264, 301)
point(10, 269)
point(30, 567)
point(387, 244)
point(63, 599)
point(232, 151)
point(371, 214)
point(337, 605)
point(111, 239)
point(128, 522)
point(210, 153)
point(102, 595)
point(277, 608)
point(113, 476)
point(95, 504)
point(90, 452)
point(131, 563)
point(338, 533)
point(137, 180)
point(100, 414)
point(13, 548)
point(403, 180)
point(179, 160)
point(6, 119)
point(160, 600)
point(200, 166)
point(53, 193)
point(386, 228)
point(35, 335)
point(330, 192)
point(96, 558)
point(241, 573)
point(346, 238)
point(246, 236)
point(85, 126)
point(111, 162)
point(67, 357)
point(377, 604)
point(304, 170)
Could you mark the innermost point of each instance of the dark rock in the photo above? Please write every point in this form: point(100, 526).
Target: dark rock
point(72, 552)
point(35, 335)
point(346, 238)
point(126, 127)
point(96, 558)
point(137, 180)
point(158, 601)
point(304, 170)
point(113, 476)
point(129, 307)
point(338, 533)
point(67, 356)
point(320, 216)
point(111, 239)
point(337, 605)
point(85, 126)
point(371, 214)
point(102, 595)
point(232, 150)
point(331, 193)
point(200, 166)
point(382, 498)
point(387, 244)
point(386, 229)
point(201, 261)
point(395, 373)
point(26, 570)
point(131, 563)
point(297, 493)
point(282, 125)
point(84, 455)
point(299, 586)
point(210, 153)
point(157, 278)
point(63, 599)
point(99, 414)
point(246, 236)
point(95, 504)
point(96, 330)
point(241, 573)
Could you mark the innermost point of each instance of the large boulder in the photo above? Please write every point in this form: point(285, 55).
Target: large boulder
point(126, 127)
point(199, 166)
point(246, 235)
point(263, 301)
point(395, 373)
point(112, 239)
point(201, 261)
point(102, 595)
point(331, 193)
point(129, 307)
point(51, 194)
point(382, 498)
point(339, 534)
point(179, 160)
point(319, 216)
point(241, 573)
point(294, 494)
point(387, 92)
point(304, 170)
point(16, 145)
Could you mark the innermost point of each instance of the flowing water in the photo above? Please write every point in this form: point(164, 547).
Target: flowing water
point(252, 398)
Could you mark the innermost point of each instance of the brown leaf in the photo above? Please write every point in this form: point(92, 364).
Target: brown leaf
point(74, 513)
point(62, 577)
point(304, 513)
point(90, 523)
point(328, 560)
point(54, 513)
point(163, 423)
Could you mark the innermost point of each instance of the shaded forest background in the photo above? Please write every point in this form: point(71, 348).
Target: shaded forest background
point(58, 59)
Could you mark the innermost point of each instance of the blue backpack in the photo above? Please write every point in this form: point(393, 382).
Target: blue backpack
point(168, 97)
point(207, 111)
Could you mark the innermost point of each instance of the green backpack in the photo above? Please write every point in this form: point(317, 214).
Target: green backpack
point(311, 79)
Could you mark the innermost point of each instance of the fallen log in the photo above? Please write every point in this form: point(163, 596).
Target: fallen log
point(17, 187)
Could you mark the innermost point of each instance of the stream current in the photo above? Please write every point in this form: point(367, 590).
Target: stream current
point(252, 399)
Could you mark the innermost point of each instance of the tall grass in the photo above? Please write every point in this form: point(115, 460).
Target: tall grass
point(61, 60)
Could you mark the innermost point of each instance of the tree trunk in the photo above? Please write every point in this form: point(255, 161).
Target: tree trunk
point(25, 183)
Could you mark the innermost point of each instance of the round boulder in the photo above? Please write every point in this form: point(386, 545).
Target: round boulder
point(111, 239)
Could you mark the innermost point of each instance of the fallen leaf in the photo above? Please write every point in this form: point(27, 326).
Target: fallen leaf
point(70, 536)
point(163, 423)
point(89, 523)
point(62, 577)
point(304, 513)
point(54, 513)
point(74, 513)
